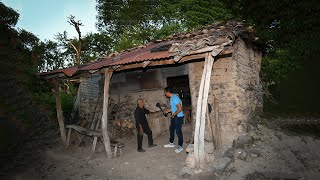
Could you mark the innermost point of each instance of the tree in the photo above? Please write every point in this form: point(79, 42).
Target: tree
point(95, 45)
point(22, 40)
point(51, 57)
point(133, 22)
point(291, 31)
point(66, 51)
point(8, 16)
point(87, 48)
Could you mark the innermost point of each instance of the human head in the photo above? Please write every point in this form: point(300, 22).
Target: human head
point(140, 102)
point(168, 92)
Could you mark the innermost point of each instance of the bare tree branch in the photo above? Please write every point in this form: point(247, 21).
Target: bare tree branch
point(76, 25)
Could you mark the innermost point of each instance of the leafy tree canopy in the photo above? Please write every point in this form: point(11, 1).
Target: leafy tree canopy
point(289, 27)
point(132, 22)
point(8, 16)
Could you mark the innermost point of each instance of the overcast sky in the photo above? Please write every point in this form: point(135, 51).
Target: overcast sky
point(45, 18)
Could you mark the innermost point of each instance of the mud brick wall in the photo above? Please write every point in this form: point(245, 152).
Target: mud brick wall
point(235, 83)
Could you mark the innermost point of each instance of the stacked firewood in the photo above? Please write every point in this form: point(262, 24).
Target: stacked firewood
point(123, 128)
point(123, 123)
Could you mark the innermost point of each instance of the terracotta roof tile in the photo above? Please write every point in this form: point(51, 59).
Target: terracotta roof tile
point(186, 41)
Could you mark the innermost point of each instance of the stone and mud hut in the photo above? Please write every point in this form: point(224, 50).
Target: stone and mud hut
point(214, 69)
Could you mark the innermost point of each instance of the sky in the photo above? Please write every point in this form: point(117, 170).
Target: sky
point(46, 18)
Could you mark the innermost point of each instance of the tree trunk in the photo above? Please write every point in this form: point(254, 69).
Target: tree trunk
point(106, 139)
point(57, 96)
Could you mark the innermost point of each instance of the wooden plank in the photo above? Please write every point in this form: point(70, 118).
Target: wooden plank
point(82, 130)
point(226, 51)
point(68, 138)
point(56, 92)
point(95, 139)
point(192, 57)
point(161, 62)
point(203, 50)
point(216, 48)
point(217, 126)
point(140, 65)
point(209, 126)
point(106, 139)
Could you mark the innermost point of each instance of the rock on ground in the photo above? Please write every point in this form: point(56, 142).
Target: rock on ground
point(221, 164)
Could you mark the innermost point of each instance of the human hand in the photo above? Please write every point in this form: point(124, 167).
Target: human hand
point(167, 111)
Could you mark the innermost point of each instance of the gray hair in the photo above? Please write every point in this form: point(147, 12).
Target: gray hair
point(139, 100)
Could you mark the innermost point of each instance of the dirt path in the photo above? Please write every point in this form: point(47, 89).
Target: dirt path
point(72, 163)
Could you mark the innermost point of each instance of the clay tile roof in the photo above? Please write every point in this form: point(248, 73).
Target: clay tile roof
point(102, 62)
point(219, 34)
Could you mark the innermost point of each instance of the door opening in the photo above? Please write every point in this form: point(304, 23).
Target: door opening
point(180, 86)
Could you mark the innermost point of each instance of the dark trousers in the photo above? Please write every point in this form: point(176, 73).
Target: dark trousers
point(148, 132)
point(176, 125)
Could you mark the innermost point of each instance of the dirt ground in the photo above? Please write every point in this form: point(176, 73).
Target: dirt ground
point(73, 163)
point(274, 154)
point(277, 155)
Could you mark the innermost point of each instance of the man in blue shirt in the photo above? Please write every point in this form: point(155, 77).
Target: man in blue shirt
point(177, 119)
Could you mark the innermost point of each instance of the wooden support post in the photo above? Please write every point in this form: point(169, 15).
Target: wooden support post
point(106, 139)
point(56, 92)
point(201, 111)
point(198, 115)
point(210, 127)
point(217, 127)
point(94, 143)
point(68, 138)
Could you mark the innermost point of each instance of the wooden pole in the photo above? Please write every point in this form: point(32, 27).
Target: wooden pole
point(201, 111)
point(217, 127)
point(56, 92)
point(198, 115)
point(106, 139)
point(209, 127)
point(204, 108)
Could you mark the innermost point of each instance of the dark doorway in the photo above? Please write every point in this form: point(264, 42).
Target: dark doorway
point(180, 85)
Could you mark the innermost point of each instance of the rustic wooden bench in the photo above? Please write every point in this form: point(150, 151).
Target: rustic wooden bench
point(81, 130)
point(95, 134)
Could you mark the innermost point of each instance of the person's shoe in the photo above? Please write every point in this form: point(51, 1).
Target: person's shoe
point(168, 145)
point(179, 149)
point(152, 145)
point(141, 150)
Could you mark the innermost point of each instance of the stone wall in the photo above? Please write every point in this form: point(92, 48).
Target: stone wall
point(129, 91)
point(157, 122)
point(235, 84)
